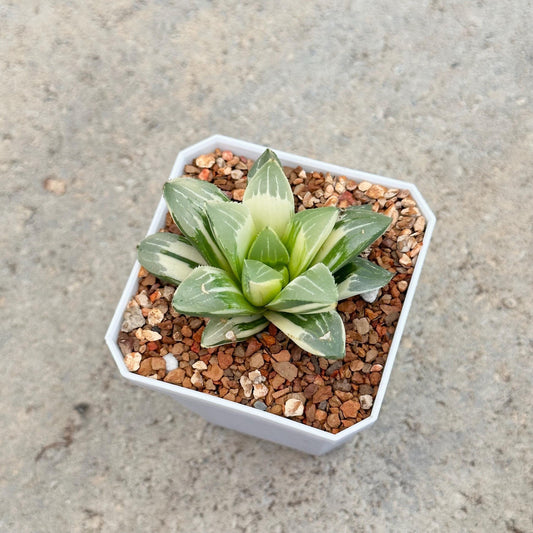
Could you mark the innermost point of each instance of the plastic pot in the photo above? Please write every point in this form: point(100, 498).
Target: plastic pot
point(243, 418)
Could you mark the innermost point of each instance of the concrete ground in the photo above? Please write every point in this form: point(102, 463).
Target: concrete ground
point(97, 98)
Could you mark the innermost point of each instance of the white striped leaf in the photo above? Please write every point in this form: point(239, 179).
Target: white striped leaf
point(320, 334)
point(264, 158)
point(269, 198)
point(186, 198)
point(211, 292)
point(309, 229)
point(226, 330)
point(314, 291)
point(360, 276)
point(169, 257)
point(234, 230)
point(260, 283)
point(268, 248)
point(356, 229)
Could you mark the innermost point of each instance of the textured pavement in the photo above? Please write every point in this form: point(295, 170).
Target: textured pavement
point(100, 96)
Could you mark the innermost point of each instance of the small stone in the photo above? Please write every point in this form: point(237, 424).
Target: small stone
point(370, 296)
point(204, 175)
point(256, 377)
point(143, 300)
point(227, 155)
point(199, 365)
point(237, 174)
point(376, 191)
point(171, 362)
point(405, 260)
point(55, 186)
point(323, 393)
point(320, 416)
point(375, 378)
point(151, 336)
point(225, 360)
point(364, 186)
point(205, 161)
point(293, 407)
point(283, 356)
point(361, 325)
point(158, 363)
point(175, 376)
point(402, 286)
point(238, 194)
point(253, 346)
point(366, 401)
point(420, 224)
point(247, 385)
point(509, 302)
point(132, 361)
point(260, 390)
point(257, 361)
point(155, 316)
point(376, 368)
point(333, 420)
point(350, 408)
point(214, 372)
point(168, 292)
point(133, 318)
point(197, 380)
point(286, 370)
point(262, 406)
point(346, 306)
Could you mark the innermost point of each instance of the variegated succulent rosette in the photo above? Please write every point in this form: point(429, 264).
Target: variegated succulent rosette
point(246, 264)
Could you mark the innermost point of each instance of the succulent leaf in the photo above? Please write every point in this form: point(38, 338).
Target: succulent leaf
point(359, 276)
point(320, 334)
point(211, 292)
point(313, 291)
point(260, 283)
point(265, 157)
point(234, 229)
point(268, 248)
point(356, 229)
point(269, 198)
point(227, 330)
point(168, 256)
point(186, 198)
point(309, 229)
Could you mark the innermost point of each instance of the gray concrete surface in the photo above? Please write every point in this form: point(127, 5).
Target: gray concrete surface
point(102, 95)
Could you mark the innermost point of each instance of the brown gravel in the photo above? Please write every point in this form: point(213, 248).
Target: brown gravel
point(269, 371)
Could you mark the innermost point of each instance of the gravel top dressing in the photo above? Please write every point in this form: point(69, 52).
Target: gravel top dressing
point(268, 371)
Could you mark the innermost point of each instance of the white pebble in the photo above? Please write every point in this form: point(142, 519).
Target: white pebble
point(171, 362)
point(370, 296)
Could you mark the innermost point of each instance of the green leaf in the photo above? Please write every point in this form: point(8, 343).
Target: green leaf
point(186, 198)
point(169, 257)
point(234, 229)
point(359, 276)
point(268, 248)
point(309, 229)
point(284, 271)
point(320, 334)
point(226, 330)
point(265, 157)
point(260, 283)
point(314, 291)
point(269, 198)
point(210, 291)
point(356, 229)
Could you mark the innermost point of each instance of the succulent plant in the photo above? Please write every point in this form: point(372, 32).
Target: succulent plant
point(246, 264)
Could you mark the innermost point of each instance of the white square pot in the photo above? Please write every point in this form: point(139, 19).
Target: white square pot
point(241, 417)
